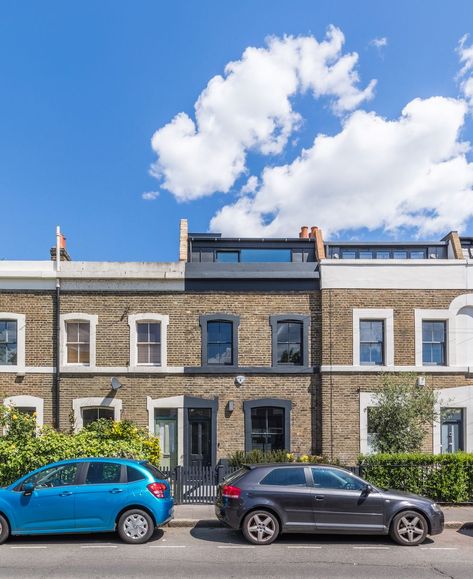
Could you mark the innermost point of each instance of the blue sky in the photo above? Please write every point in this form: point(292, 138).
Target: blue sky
point(86, 84)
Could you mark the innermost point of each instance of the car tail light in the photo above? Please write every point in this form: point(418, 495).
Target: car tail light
point(231, 492)
point(157, 489)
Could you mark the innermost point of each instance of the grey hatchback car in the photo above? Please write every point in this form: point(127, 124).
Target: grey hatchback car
point(267, 500)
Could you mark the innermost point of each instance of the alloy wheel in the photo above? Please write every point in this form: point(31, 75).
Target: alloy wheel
point(410, 527)
point(135, 526)
point(261, 528)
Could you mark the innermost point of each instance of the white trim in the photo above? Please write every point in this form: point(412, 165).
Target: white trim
point(367, 399)
point(79, 317)
point(75, 369)
point(171, 402)
point(94, 402)
point(374, 314)
point(420, 369)
point(434, 316)
point(148, 317)
point(460, 397)
point(20, 320)
point(28, 402)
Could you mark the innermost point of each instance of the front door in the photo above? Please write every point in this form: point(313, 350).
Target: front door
point(166, 430)
point(340, 505)
point(200, 436)
point(452, 430)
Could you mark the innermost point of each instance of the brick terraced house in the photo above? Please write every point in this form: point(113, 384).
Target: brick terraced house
point(242, 343)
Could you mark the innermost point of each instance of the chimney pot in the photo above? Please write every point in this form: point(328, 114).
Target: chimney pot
point(304, 233)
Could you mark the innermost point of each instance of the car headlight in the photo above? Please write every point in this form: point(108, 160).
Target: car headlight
point(436, 508)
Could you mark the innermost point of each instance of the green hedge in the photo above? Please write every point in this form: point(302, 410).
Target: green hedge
point(260, 457)
point(442, 477)
point(23, 449)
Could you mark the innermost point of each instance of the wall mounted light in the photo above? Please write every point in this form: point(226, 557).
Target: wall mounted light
point(230, 405)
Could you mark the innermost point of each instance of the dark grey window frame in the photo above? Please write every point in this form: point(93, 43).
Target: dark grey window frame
point(274, 321)
point(275, 402)
point(204, 320)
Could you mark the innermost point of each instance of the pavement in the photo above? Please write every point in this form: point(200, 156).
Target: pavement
point(220, 552)
point(460, 517)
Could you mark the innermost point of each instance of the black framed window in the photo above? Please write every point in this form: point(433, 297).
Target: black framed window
point(227, 256)
point(289, 343)
point(434, 349)
point(372, 342)
point(8, 342)
point(219, 339)
point(267, 428)
point(90, 415)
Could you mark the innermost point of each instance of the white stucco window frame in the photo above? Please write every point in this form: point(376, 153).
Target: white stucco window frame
point(20, 320)
point(459, 397)
point(78, 404)
point(387, 316)
point(79, 317)
point(162, 319)
point(176, 402)
point(28, 402)
point(434, 316)
point(367, 400)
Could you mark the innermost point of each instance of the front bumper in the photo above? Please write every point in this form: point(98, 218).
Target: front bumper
point(437, 522)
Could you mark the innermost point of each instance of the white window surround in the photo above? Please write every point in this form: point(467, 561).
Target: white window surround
point(387, 316)
point(20, 320)
point(176, 402)
point(433, 316)
point(459, 397)
point(79, 317)
point(26, 401)
point(133, 319)
point(78, 404)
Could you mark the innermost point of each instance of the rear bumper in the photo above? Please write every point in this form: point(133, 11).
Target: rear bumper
point(164, 511)
point(228, 514)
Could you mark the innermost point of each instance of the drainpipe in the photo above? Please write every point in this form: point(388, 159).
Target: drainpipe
point(57, 333)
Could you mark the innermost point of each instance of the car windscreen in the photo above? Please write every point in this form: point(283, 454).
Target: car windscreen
point(234, 476)
point(156, 473)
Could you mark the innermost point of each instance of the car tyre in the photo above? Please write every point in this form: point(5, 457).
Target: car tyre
point(135, 527)
point(409, 528)
point(4, 529)
point(260, 527)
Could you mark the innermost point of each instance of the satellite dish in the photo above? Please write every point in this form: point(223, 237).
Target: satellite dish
point(116, 384)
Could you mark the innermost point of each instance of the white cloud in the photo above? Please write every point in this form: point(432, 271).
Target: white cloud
point(379, 42)
point(374, 173)
point(150, 195)
point(251, 185)
point(250, 109)
point(465, 54)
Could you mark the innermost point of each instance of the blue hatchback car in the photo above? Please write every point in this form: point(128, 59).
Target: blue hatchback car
point(88, 495)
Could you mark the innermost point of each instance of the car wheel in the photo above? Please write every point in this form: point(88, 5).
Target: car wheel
point(135, 526)
point(260, 527)
point(409, 528)
point(4, 529)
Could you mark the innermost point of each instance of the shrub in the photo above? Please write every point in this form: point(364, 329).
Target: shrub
point(23, 448)
point(259, 457)
point(442, 477)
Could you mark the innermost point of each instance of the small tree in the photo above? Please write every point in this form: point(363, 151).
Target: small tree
point(402, 415)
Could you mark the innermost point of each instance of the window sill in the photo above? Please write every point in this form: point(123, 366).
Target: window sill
point(251, 370)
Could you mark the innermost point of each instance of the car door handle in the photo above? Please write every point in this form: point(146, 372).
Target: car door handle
point(116, 491)
point(319, 497)
point(65, 494)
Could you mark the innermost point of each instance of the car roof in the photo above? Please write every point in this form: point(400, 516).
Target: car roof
point(289, 464)
point(130, 461)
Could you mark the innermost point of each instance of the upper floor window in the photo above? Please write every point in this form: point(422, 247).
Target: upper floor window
point(149, 342)
point(434, 342)
point(220, 343)
point(8, 342)
point(77, 342)
point(228, 256)
point(372, 342)
point(219, 339)
point(289, 343)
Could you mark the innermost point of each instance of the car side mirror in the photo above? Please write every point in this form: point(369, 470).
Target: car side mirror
point(28, 489)
point(367, 489)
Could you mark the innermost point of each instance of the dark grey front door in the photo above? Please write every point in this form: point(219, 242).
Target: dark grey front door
point(199, 436)
point(340, 506)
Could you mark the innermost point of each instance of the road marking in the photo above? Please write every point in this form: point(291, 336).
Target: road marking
point(29, 547)
point(371, 548)
point(439, 548)
point(235, 547)
point(98, 546)
point(303, 547)
point(168, 546)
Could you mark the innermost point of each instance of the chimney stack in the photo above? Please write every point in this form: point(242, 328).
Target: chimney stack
point(316, 235)
point(63, 255)
point(304, 232)
point(183, 236)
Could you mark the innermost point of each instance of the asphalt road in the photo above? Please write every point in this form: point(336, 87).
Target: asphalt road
point(204, 552)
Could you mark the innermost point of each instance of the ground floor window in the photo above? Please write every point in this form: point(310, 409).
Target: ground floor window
point(371, 434)
point(267, 428)
point(452, 430)
point(90, 415)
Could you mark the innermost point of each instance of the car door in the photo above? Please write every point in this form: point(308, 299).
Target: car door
point(287, 488)
point(51, 505)
point(101, 496)
point(339, 503)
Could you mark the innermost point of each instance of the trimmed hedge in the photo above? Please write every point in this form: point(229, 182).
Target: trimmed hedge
point(261, 457)
point(442, 477)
